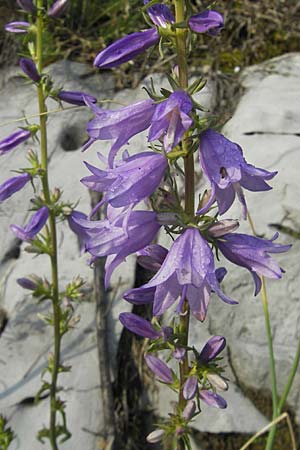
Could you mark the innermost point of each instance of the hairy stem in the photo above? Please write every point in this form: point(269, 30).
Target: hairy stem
point(275, 411)
point(189, 194)
point(52, 227)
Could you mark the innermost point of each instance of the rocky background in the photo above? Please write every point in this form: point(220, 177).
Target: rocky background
point(266, 124)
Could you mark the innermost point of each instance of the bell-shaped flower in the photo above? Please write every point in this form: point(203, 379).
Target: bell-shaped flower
point(126, 48)
point(171, 119)
point(212, 399)
point(160, 14)
point(187, 272)
point(29, 68)
point(212, 348)
point(17, 27)
point(138, 325)
point(159, 368)
point(76, 97)
point(252, 253)
point(131, 181)
point(119, 125)
point(224, 165)
point(13, 185)
point(209, 21)
point(13, 140)
point(33, 227)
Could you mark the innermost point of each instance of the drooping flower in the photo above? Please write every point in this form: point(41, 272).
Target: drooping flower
point(26, 5)
point(160, 14)
point(29, 68)
point(223, 163)
point(212, 399)
point(13, 140)
point(13, 185)
point(131, 181)
point(126, 48)
point(171, 119)
point(58, 8)
point(17, 27)
point(76, 97)
point(159, 368)
point(138, 325)
point(209, 21)
point(187, 272)
point(252, 253)
point(212, 348)
point(119, 125)
point(33, 227)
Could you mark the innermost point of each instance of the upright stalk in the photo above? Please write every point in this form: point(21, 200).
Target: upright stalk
point(189, 193)
point(52, 226)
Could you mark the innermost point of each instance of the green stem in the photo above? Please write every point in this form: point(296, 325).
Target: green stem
point(290, 379)
point(275, 411)
point(52, 226)
point(189, 194)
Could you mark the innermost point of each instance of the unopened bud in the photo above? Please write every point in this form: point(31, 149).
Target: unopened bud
point(26, 5)
point(58, 8)
point(223, 227)
point(29, 68)
point(217, 382)
point(155, 436)
point(189, 410)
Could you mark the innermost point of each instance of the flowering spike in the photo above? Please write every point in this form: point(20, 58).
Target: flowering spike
point(13, 185)
point(13, 140)
point(126, 48)
point(33, 227)
point(212, 348)
point(138, 325)
point(29, 68)
point(159, 368)
point(210, 22)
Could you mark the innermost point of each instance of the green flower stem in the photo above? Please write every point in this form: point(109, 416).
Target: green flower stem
point(264, 296)
point(290, 379)
point(52, 226)
point(189, 194)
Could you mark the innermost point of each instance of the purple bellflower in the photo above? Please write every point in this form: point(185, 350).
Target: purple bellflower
point(252, 253)
point(223, 163)
point(13, 185)
point(212, 348)
point(81, 233)
point(138, 325)
point(17, 27)
point(210, 22)
point(29, 68)
point(212, 399)
point(26, 5)
point(13, 140)
point(33, 227)
point(119, 125)
point(130, 182)
point(160, 14)
point(76, 97)
point(126, 48)
point(58, 8)
point(159, 368)
point(187, 272)
point(171, 119)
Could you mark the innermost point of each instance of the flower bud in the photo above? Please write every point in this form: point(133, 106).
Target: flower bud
point(33, 227)
point(13, 140)
point(27, 283)
point(138, 325)
point(26, 5)
point(189, 410)
point(212, 399)
point(159, 368)
point(58, 8)
point(29, 68)
point(223, 227)
point(210, 22)
point(13, 185)
point(179, 353)
point(17, 27)
point(76, 97)
point(190, 388)
point(212, 348)
point(167, 333)
point(217, 382)
point(155, 436)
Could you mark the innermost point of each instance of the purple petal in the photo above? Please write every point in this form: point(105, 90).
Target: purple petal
point(76, 97)
point(152, 257)
point(138, 325)
point(212, 348)
point(33, 227)
point(160, 14)
point(189, 411)
point(212, 399)
point(13, 140)
point(159, 368)
point(190, 388)
point(17, 27)
point(207, 22)
point(140, 296)
point(26, 283)
point(13, 185)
